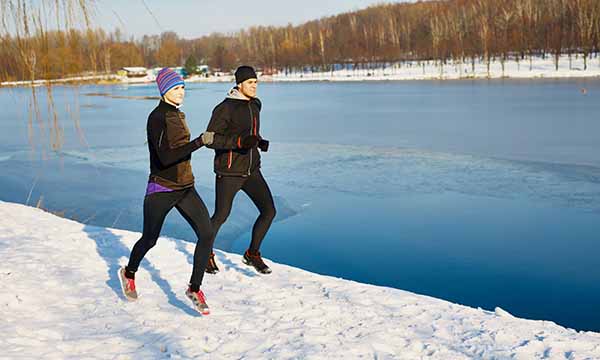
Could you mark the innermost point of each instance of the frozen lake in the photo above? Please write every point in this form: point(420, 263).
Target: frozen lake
point(482, 193)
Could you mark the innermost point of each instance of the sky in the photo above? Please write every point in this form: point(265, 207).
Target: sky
point(192, 19)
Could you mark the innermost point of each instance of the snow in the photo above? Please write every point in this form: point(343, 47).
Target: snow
point(61, 299)
point(409, 70)
point(430, 70)
point(37, 83)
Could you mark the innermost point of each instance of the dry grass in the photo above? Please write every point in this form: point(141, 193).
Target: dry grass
point(24, 27)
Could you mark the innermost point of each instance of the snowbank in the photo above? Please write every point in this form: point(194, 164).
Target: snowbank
point(430, 70)
point(538, 68)
point(60, 298)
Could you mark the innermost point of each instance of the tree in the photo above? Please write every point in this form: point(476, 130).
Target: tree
point(222, 58)
point(504, 23)
point(169, 53)
point(424, 30)
point(484, 31)
point(587, 18)
point(191, 65)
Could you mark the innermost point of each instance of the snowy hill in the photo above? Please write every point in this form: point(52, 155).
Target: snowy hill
point(60, 298)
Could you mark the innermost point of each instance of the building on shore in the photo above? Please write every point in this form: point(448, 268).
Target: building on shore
point(133, 72)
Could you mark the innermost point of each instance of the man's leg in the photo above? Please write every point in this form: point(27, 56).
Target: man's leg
point(192, 208)
point(257, 189)
point(225, 189)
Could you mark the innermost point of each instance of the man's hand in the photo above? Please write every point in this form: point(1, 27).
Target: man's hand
point(263, 145)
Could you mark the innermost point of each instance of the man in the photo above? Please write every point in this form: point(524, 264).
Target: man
point(236, 124)
point(171, 185)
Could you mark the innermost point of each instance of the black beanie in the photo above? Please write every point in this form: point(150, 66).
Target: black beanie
point(244, 73)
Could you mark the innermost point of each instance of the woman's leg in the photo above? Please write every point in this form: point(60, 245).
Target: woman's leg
point(194, 211)
point(156, 208)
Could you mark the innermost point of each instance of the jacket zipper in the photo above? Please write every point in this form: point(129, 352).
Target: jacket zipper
point(251, 133)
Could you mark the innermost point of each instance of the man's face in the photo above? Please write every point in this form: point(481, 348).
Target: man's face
point(248, 88)
point(175, 95)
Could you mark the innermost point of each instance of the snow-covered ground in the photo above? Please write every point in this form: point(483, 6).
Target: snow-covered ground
point(60, 298)
point(430, 70)
point(411, 70)
point(72, 79)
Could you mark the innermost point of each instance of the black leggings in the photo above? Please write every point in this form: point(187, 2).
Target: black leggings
point(192, 208)
point(257, 189)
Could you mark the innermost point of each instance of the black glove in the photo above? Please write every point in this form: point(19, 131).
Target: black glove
point(263, 145)
point(248, 142)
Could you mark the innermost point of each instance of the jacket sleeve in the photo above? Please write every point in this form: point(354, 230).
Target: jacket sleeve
point(223, 140)
point(167, 155)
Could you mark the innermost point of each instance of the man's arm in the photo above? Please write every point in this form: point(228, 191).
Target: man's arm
point(218, 125)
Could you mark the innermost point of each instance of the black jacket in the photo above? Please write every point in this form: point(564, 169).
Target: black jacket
point(232, 120)
point(170, 147)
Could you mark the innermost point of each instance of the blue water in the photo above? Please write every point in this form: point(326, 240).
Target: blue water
point(482, 193)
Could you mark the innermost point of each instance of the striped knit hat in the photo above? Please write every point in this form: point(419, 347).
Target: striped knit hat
point(167, 79)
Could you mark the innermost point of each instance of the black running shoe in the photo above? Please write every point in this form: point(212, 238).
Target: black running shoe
point(254, 259)
point(211, 265)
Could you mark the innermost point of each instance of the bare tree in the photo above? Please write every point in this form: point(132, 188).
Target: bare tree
point(505, 22)
point(586, 15)
point(438, 31)
point(482, 7)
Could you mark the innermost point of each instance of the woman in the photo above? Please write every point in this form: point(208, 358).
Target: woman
point(171, 185)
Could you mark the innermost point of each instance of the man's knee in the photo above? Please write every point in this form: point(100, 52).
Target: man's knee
point(269, 212)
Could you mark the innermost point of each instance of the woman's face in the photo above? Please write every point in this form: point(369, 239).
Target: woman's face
point(175, 95)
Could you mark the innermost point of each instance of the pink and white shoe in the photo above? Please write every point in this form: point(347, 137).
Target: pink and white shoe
point(128, 286)
point(199, 301)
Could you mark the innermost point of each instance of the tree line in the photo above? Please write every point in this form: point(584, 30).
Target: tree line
point(458, 31)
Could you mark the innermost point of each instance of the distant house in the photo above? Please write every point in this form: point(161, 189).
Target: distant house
point(133, 72)
point(179, 70)
point(155, 71)
point(202, 69)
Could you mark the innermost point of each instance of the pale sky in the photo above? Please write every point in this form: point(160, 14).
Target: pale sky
point(192, 19)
